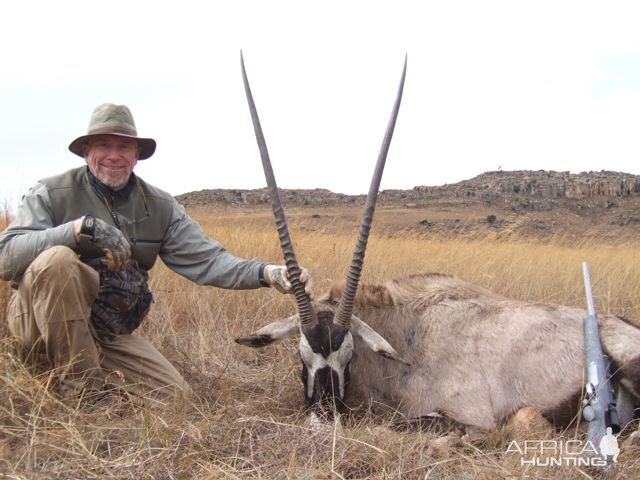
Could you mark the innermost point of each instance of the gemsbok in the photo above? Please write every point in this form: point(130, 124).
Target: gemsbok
point(460, 352)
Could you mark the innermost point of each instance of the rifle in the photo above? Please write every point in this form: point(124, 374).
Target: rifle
point(600, 406)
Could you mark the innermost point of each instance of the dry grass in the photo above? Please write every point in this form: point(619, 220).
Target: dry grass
point(246, 419)
point(5, 290)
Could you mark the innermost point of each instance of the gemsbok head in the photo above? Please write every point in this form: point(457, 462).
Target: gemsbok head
point(326, 331)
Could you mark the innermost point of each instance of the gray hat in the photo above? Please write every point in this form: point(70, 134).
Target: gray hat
point(110, 119)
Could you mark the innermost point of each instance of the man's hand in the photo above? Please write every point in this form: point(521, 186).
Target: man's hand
point(277, 277)
point(108, 238)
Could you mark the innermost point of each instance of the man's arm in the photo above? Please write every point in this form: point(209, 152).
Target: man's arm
point(30, 233)
point(188, 251)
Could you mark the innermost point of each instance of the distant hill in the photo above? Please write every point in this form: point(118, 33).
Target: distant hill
point(525, 204)
point(542, 184)
point(525, 188)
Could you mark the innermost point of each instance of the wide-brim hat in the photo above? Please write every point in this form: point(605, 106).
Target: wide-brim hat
point(110, 119)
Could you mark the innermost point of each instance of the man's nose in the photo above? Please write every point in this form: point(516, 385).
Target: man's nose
point(113, 152)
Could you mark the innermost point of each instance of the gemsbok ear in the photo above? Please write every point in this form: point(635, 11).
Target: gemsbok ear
point(271, 333)
point(374, 341)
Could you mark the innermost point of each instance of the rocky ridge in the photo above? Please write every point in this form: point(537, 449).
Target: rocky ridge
point(541, 184)
point(523, 189)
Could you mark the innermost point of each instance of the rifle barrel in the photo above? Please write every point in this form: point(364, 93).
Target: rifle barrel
point(587, 289)
point(600, 410)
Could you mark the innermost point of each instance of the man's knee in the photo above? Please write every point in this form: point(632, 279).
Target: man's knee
point(59, 264)
point(57, 258)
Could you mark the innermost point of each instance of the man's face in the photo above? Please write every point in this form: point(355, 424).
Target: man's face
point(111, 159)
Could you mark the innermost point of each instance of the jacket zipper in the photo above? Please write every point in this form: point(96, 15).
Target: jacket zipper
point(135, 241)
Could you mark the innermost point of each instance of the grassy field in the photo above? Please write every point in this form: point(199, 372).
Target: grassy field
point(246, 418)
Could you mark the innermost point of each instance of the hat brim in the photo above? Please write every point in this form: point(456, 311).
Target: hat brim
point(147, 145)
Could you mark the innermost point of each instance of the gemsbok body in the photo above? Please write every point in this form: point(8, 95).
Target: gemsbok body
point(433, 346)
point(477, 357)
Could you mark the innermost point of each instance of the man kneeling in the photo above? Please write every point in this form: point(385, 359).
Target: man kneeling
point(78, 254)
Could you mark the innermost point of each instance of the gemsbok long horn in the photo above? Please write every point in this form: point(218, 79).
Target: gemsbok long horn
point(307, 315)
point(345, 309)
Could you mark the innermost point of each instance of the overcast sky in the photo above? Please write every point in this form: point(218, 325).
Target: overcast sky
point(551, 85)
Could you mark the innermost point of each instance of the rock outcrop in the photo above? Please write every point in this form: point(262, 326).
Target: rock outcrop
point(523, 189)
point(540, 184)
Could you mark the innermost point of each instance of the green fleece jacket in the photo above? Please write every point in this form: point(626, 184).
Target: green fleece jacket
point(151, 219)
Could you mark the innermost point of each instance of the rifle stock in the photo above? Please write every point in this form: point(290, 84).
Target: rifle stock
point(600, 407)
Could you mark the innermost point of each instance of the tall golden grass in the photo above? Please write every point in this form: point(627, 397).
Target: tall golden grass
point(5, 290)
point(246, 418)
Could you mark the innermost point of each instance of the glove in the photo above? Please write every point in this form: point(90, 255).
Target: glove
point(109, 239)
point(277, 276)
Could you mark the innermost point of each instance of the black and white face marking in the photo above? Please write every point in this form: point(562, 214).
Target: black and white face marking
point(326, 350)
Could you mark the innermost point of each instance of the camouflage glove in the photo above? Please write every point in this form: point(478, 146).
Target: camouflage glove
point(276, 276)
point(109, 239)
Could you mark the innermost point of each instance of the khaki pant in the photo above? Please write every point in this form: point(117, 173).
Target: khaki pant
point(50, 315)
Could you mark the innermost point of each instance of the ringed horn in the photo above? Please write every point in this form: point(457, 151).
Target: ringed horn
point(345, 308)
point(307, 314)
